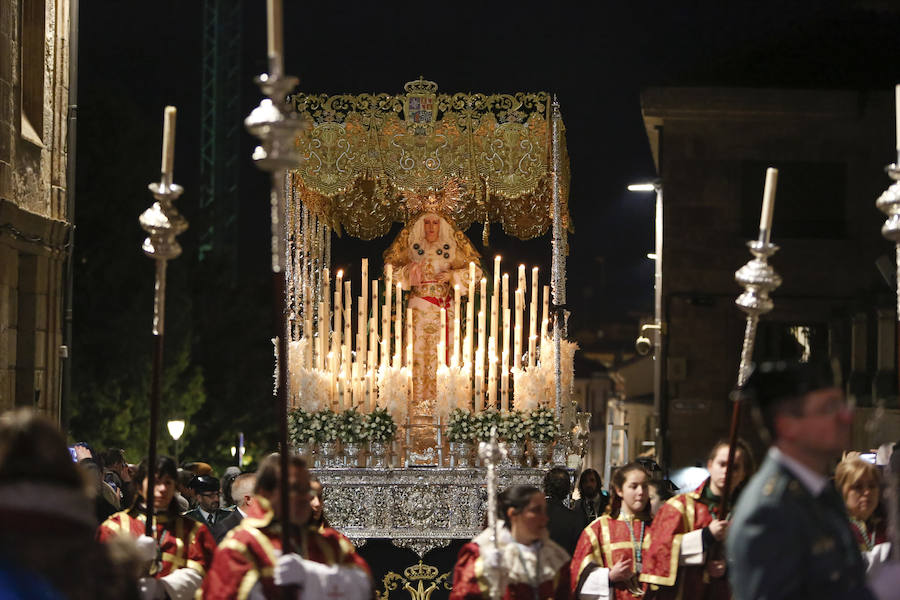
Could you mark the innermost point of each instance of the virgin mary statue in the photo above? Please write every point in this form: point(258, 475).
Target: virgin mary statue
point(429, 256)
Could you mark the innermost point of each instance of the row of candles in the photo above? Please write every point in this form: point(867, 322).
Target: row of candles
point(484, 354)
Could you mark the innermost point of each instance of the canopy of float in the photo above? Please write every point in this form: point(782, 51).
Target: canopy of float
point(374, 159)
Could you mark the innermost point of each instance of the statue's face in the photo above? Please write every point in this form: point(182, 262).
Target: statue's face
point(432, 228)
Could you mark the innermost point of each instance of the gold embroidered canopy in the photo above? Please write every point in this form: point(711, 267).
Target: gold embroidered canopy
point(373, 159)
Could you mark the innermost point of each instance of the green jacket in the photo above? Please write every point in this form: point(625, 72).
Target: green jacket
point(785, 543)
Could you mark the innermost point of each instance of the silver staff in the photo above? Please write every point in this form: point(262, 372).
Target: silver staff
point(759, 279)
point(163, 223)
point(889, 203)
point(492, 453)
point(277, 126)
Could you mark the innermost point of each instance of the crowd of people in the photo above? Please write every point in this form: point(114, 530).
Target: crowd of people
point(74, 523)
point(808, 524)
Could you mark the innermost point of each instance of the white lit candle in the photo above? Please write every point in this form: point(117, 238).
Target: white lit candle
point(348, 332)
point(504, 382)
point(470, 315)
point(492, 374)
point(545, 314)
point(456, 307)
point(897, 114)
point(168, 147)
point(398, 328)
point(373, 326)
point(275, 30)
point(532, 317)
point(495, 298)
point(364, 309)
point(517, 334)
point(442, 343)
point(409, 338)
point(768, 207)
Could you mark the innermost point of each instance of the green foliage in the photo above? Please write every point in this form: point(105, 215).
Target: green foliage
point(300, 427)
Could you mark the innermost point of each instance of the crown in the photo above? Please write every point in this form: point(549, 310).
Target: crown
point(420, 572)
point(443, 202)
point(421, 86)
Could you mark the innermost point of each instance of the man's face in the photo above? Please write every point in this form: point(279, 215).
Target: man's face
point(822, 427)
point(208, 501)
point(589, 485)
point(299, 495)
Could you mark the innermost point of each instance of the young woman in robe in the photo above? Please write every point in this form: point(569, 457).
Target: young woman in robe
point(684, 557)
point(524, 561)
point(609, 555)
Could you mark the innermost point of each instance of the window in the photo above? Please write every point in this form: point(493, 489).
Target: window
point(32, 70)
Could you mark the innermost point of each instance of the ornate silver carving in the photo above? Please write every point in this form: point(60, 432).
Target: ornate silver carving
point(758, 279)
point(420, 508)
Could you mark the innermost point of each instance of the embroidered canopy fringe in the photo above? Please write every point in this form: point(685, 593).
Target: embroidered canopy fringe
point(370, 160)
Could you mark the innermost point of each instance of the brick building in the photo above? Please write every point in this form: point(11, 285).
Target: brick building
point(34, 220)
point(711, 148)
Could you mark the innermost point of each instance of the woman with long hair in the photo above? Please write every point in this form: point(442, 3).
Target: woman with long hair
point(526, 561)
point(179, 552)
point(609, 555)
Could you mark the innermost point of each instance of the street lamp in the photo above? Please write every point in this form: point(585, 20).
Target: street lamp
point(176, 428)
point(658, 326)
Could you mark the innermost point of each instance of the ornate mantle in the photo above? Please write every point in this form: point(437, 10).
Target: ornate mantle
point(420, 508)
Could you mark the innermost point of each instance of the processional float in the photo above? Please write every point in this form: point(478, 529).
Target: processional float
point(370, 161)
point(438, 163)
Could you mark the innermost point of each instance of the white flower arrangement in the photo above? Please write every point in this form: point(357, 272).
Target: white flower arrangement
point(512, 427)
point(541, 424)
point(326, 425)
point(379, 426)
point(351, 428)
point(453, 390)
point(485, 421)
point(393, 391)
point(461, 426)
point(300, 427)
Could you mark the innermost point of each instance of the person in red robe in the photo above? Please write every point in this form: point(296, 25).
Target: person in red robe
point(525, 562)
point(684, 555)
point(180, 550)
point(249, 562)
point(609, 555)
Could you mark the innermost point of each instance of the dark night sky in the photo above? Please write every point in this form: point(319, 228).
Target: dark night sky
point(137, 57)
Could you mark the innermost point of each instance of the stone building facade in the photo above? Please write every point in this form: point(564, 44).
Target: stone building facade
point(34, 220)
point(711, 148)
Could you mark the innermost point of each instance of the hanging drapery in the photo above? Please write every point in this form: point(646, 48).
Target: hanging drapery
point(368, 156)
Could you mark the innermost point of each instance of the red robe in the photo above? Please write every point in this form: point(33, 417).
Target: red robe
point(870, 538)
point(183, 542)
point(470, 580)
point(249, 552)
point(682, 514)
point(603, 543)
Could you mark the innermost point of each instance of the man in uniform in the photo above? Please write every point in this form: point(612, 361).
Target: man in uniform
point(207, 511)
point(249, 562)
point(790, 537)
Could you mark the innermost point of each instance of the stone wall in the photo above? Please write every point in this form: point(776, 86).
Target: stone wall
point(34, 95)
point(710, 145)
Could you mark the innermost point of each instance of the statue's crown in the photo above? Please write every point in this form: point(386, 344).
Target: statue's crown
point(420, 572)
point(421, 86)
